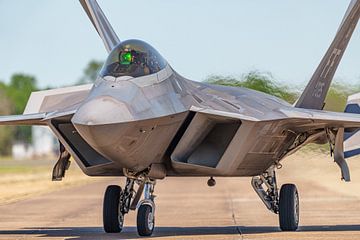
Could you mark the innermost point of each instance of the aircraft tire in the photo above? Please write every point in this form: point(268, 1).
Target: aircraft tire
point(145, 220)
point(289, 208)
point(112, 219)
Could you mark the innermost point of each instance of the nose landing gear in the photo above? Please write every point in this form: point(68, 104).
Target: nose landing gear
point(118, 202)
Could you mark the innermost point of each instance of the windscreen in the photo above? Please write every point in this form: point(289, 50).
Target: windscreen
point(133, 58)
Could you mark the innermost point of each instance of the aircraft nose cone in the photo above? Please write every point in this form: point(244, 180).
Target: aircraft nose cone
point(101, 111)
point(102, 122)
point(95, 121)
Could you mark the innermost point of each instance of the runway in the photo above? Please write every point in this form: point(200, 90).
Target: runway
point(188, 209)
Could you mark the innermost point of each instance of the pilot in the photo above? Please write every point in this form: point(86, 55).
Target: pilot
point(134, 63)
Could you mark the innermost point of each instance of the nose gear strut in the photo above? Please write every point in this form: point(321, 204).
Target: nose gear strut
point(118, 202)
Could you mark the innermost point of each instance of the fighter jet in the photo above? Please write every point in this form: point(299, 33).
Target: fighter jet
point(142, 120)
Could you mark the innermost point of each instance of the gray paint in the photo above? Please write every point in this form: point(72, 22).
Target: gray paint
point(101, 24)
point(315, 92)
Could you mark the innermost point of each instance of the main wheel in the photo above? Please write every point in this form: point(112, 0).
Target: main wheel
point(113, 220)
point(289, 208)
point(145, 220)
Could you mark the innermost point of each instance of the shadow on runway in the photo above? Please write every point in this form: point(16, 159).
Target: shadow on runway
point(313, 228)
point(92, 233)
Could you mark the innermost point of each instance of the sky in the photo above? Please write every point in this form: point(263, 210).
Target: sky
point(54, 40)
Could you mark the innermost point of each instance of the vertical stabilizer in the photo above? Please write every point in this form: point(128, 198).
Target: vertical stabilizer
point(101, 24)
point(352, 137)
point(315, 92)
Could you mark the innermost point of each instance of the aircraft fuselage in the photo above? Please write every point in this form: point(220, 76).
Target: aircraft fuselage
point(137, 122)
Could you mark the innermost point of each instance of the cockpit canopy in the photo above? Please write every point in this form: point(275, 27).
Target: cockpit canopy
point(133, 58)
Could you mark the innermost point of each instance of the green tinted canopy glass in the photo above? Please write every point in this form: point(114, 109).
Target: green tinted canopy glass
point(133, 58)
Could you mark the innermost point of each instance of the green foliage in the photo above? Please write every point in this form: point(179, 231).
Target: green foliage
point(91, 72)
point(19, 90)
point(263, 82)
point(337, 96)
point(13, 100)
point(6, 136)
point(6, 133)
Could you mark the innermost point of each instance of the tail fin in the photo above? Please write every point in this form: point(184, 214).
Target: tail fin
point(352, 138)
point(101, 24)
point(315, 92)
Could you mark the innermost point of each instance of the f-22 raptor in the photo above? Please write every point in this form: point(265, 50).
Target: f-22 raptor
point(144, 121)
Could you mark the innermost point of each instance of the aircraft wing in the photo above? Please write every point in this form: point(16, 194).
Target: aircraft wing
point(27, 119)
point(297, 119)
point(305, 120)
point(336, 126)
point(49, 104)
point(57, 100)
point(236, 129)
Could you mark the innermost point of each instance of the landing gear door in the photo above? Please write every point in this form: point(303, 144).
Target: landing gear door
point(339, 155)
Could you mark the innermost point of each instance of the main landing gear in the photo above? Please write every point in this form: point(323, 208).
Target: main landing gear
point(118, 202)
point(286, 204)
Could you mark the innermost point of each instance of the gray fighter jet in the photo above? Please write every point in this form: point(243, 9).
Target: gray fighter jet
point(144, 121)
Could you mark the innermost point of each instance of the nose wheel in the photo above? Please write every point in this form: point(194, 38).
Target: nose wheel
point(118, 202)
point(145, 220)
point(146, 211)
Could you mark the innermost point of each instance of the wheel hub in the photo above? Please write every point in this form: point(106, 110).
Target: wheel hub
point(150, 220)
point(296, 206)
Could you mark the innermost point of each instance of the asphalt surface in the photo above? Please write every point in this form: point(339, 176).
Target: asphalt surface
point(186, 209)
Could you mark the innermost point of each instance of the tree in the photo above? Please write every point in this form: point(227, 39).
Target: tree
point(6, 133)
point(18, 91)
point(91, 72)
point(259, 81)
point(336, 98)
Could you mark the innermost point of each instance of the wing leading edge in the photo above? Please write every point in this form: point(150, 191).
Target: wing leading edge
point(302, 119)
point(49, 104)
point(26, 119)
point(309, 119)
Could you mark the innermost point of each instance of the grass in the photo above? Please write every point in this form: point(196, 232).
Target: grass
point(5, 158)
point(23, 169)
point(11, 166)
point(27, 178)
point(317, 148)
